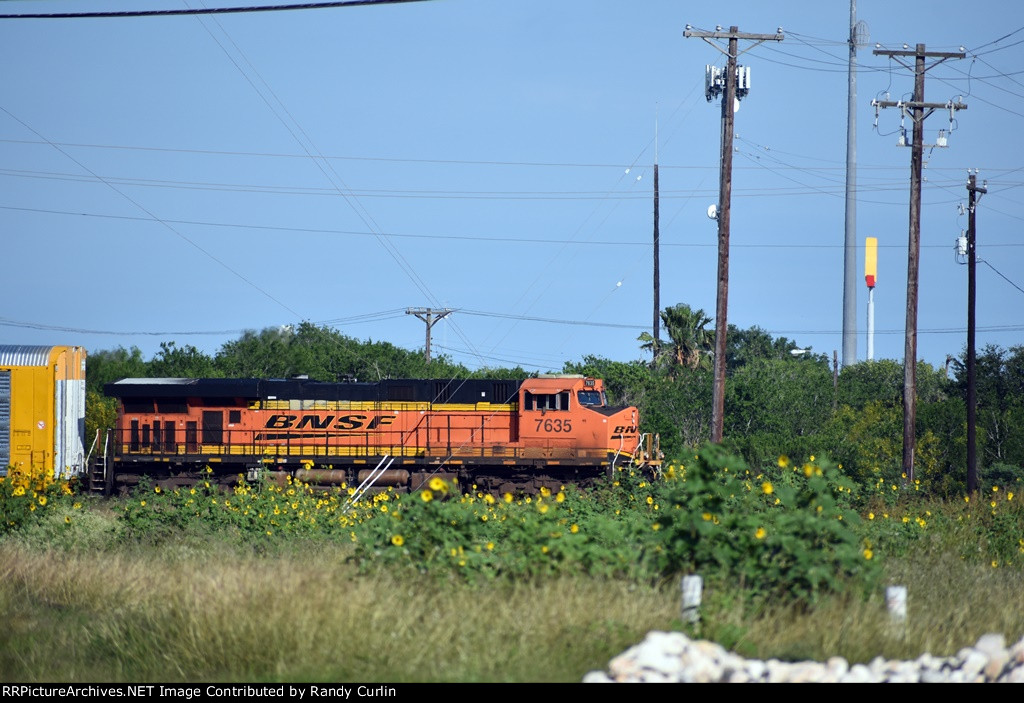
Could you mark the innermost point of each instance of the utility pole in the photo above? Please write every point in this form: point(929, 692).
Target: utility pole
point(657, 254)
point(858, 37)
point(731, 91)
point(974, 192)
point(919, 111)
point(431, 317)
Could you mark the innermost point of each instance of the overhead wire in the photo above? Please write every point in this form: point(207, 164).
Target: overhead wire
point(338, 182)
point(283, 189)
point(9, 322)
point(468, 162)
point(690, 195)
point(326, 4)
point(457, 237)
point(1002, 276)
point(152, 216)
point(328, 170)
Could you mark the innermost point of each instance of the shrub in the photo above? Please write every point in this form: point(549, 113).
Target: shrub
point(28, 493)
point(787, 532)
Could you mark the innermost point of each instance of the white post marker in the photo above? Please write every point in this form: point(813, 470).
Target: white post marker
point(896, 604)
point(692, 586)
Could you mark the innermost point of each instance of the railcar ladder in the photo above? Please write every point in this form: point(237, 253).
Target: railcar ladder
point(97, 471)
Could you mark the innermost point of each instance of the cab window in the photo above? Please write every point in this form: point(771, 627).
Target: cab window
point(546, 401)
point(590, 397)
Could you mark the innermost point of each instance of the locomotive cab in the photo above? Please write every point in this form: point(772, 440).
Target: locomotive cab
point(569, 414)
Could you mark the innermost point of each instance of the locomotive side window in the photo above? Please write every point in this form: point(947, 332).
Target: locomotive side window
point(546, 401)
point(234, 416)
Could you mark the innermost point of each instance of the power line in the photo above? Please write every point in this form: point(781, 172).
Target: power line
point(278, 189)
point(355, 320)
point(391, 314)
point(204, 11)
point(470, 162)
point(996, 41)
point(468, 238)
point(221, 152)
point(1003, 277)
point(151, 216)
point(880, 186)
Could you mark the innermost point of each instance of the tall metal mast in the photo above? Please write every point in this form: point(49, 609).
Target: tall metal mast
point(858, 36)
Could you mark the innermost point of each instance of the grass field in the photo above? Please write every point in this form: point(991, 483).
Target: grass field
point(273, 583)
point(211, 611)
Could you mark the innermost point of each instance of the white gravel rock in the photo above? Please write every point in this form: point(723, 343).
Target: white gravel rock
point(665, 657)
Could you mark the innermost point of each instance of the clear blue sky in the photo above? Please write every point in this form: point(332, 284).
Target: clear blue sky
point(195, 177)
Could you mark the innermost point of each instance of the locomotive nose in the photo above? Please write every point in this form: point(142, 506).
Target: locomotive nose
point(624, 430)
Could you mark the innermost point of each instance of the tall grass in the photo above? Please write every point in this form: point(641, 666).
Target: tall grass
point(950, 605)
point(213, 611)
point(148, 614)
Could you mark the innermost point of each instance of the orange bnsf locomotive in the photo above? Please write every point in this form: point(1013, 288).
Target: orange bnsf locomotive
point(502, 435)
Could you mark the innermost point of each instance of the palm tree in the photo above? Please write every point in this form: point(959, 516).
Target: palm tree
point(691, 344)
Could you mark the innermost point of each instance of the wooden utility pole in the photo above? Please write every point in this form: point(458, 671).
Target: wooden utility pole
point(973, 194)
point(726, 86)
point(919, 111)
point(431, 317)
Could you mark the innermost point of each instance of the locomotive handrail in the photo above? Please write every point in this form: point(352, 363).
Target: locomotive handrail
point(107, 469)
point(370, 480)
point(95, 441)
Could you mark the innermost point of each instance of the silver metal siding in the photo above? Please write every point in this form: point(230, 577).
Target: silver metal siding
point(5, 421)
point(69, 428)
point(24, 355)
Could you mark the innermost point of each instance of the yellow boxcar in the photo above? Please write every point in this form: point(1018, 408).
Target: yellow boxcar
point(42, 409)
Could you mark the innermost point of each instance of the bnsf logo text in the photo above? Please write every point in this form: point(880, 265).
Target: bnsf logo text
point(326, 422)
point(623, 429)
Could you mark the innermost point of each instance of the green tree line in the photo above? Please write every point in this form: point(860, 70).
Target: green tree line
point(321, 353)
point(781, 403)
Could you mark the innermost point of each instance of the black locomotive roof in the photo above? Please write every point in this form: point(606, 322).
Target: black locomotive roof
point(409, 390)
